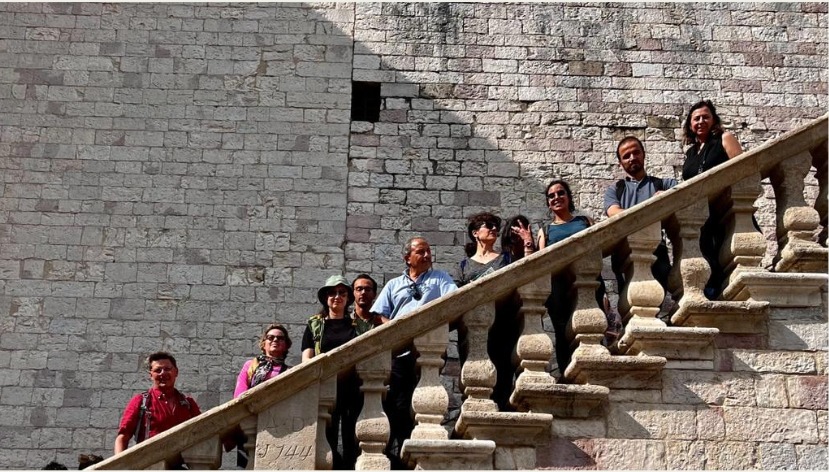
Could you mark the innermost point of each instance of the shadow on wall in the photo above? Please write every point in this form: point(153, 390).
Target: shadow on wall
point(481, 105)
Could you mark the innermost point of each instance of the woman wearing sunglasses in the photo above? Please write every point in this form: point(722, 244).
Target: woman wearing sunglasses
point(274, 344)
point(563, 225)
point(329, 329)
point(482, 259)
point(481, 256)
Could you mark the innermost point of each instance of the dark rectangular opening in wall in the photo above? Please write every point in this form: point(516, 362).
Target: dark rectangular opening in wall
point(365, 101)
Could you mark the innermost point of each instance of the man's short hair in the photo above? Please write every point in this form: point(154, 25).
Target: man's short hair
point(159, 356)
point(367, 277)
point(407, 246)
point(627, 139)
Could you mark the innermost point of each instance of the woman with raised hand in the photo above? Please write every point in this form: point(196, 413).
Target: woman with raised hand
point(517, 238)
point(482, 259)
point(710, 146)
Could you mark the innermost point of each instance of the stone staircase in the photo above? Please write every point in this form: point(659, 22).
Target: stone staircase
point(560, 423)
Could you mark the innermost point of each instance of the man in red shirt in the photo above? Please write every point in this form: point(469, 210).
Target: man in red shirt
point(159, 408)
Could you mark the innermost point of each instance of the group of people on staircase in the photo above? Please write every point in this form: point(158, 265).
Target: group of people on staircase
point(337, 323)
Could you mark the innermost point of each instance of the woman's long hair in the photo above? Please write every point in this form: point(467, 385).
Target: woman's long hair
point(507, 242)
point(689, 136)
point(475, 222)
point(571, 204)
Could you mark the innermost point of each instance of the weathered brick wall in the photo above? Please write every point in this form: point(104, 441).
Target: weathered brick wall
point(178, 175)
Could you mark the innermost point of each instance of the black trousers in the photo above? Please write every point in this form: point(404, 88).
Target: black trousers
point(346, 410)
point(398, 403)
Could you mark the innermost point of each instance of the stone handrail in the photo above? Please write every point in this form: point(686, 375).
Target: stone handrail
point(582, 250)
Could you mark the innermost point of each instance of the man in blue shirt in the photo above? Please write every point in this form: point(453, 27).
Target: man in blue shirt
point(418, 285)
point(637, 187)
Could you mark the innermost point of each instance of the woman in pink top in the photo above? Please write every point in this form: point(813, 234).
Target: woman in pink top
point(274, 344)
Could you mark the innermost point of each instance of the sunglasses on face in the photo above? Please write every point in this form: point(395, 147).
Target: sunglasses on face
point(341, 293)
point(560, 193)
point(489, 225)
point(272, 338)
point(415, 292)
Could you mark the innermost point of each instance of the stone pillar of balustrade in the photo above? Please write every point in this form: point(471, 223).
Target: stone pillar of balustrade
point(744, 247)
point(372, 424)
point(516, 434)
point(291, 433)
point(430, 401)
point(797, 222)
point(536, 391)
point(819, 160)
point(589, 322)
point(323, 456)
point(478, 374)
point(534, 348)
point(430, 446)
point(642, 295)
point(694, 310)
point(591, 367)
point(207, 455)
point(248, 426)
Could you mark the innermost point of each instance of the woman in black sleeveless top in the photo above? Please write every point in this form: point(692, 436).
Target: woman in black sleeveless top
point(710, 146)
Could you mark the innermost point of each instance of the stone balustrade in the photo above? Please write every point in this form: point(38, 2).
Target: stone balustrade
point(284, 418)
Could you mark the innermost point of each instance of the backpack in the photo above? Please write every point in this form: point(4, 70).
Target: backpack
point(142, 428)
point(658, 185)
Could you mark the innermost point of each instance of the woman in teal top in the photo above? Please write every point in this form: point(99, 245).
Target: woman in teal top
point(559, 304)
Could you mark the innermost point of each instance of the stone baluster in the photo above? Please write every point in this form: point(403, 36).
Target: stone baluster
point(588, 322)
point(324, 458)
point(796, 221)
point(643, 295)
point(430, 401)
point(207, 455)
point(478, 372)
point(248, 426)
point(819, 163)
point(689, 263)
point(372, 425)
point(744, 246)
point(535, 348)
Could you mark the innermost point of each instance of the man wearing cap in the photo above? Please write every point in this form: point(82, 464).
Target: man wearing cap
point(418, 285)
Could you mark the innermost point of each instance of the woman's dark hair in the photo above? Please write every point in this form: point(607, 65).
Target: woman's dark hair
point(475, 222)
point(690, 137)
point(507, 242)
point(572, 205)
point(280, 328)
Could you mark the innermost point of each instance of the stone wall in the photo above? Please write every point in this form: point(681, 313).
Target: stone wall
point(176, 176)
